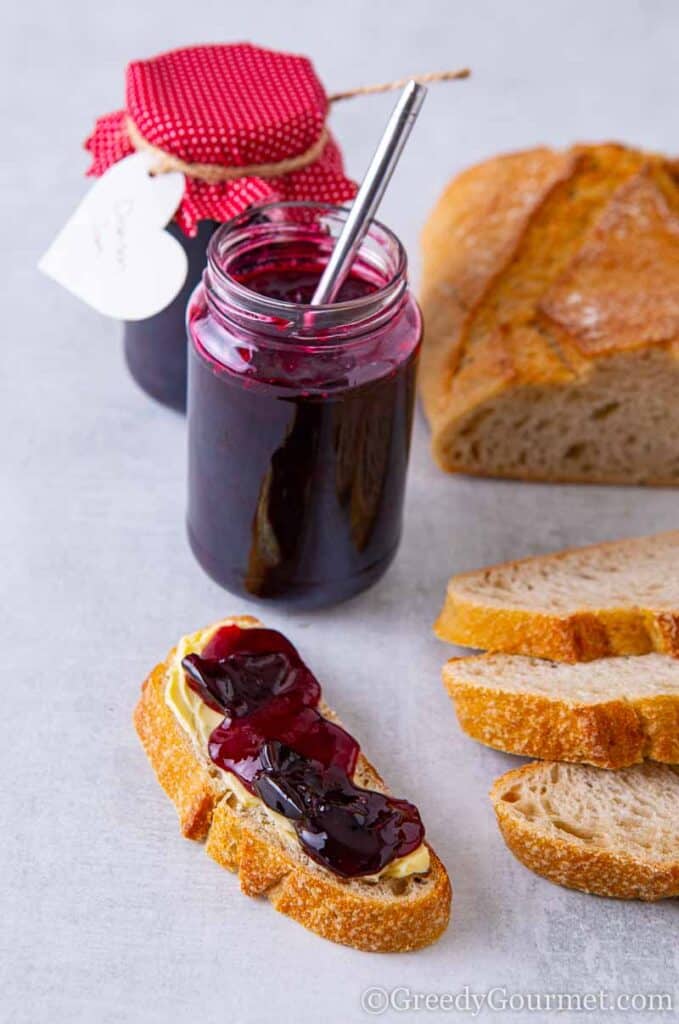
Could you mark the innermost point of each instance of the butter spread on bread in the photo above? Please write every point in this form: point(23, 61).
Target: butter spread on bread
point(199, 720)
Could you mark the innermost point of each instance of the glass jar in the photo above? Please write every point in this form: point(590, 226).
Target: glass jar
point(155, 348)
point(300, 417)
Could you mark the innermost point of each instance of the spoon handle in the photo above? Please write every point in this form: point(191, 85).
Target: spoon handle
point(370, 193)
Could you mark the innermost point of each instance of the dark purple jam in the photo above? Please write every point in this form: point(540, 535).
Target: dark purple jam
point(240, 670)
point(237, 746)
point(298, 452)
point(297, 283)
point(279, 746)
point(352, 831)
point(256, 678)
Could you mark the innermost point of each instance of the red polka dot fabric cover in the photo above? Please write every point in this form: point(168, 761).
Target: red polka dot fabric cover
point(233, 105)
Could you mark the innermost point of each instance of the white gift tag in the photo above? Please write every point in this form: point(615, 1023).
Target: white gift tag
point(113, 252)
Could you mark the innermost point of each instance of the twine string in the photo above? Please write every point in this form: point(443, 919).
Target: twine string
point(430, 76)
point(214, 174)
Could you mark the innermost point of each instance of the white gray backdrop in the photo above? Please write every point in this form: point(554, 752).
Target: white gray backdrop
point(107, 915)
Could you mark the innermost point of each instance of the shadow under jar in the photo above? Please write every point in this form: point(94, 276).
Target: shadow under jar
point(299, 417)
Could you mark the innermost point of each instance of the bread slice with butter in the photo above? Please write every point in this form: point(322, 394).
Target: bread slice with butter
point(612, 713)
point(404, 908)
point(616, 598)
point(609, 833)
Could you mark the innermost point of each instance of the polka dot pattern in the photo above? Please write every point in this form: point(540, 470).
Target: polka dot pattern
point(231, 105)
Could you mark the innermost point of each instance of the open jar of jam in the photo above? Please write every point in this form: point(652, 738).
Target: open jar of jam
point(300, 416)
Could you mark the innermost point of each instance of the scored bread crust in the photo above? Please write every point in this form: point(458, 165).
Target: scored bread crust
point(611, 733)
point(580, 635)
point(567, 862)
point(392, 915)
point(541, 331)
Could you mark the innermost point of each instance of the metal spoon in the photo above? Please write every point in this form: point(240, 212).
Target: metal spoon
point(370, 193)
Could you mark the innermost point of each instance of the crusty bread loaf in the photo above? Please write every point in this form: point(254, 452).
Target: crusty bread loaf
point(611, 713)
point(390, 915)
point(609, 833)
point(551, 307)
point(575, 605)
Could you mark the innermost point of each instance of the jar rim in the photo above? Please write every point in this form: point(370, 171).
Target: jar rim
point(233, 235)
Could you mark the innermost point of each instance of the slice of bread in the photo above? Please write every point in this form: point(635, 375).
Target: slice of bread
point(389, 915)
point(611, 713)
point(576, 605)
point(609, 833)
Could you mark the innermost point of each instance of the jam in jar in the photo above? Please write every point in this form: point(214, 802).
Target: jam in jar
point(300, 416)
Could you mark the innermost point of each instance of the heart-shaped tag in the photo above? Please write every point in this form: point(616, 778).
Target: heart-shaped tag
point(113, 252)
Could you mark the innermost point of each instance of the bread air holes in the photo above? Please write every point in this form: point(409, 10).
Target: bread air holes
point(605, 410)
point(574, 451)
point(474, 422)
point(398, 886)
point(572, 830)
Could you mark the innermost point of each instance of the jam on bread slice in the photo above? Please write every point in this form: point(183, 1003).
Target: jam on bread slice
point(237, 733)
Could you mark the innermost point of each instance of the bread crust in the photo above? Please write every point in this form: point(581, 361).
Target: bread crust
point(577, 636)
point(357, 915)
point(189, 785)
point(322, 902)
point(590, 869)
point(609, 734)
point(550, 226)
point(580, 636)
point(472, 234)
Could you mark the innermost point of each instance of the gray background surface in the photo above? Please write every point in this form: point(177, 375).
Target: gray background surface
point(107, 914)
